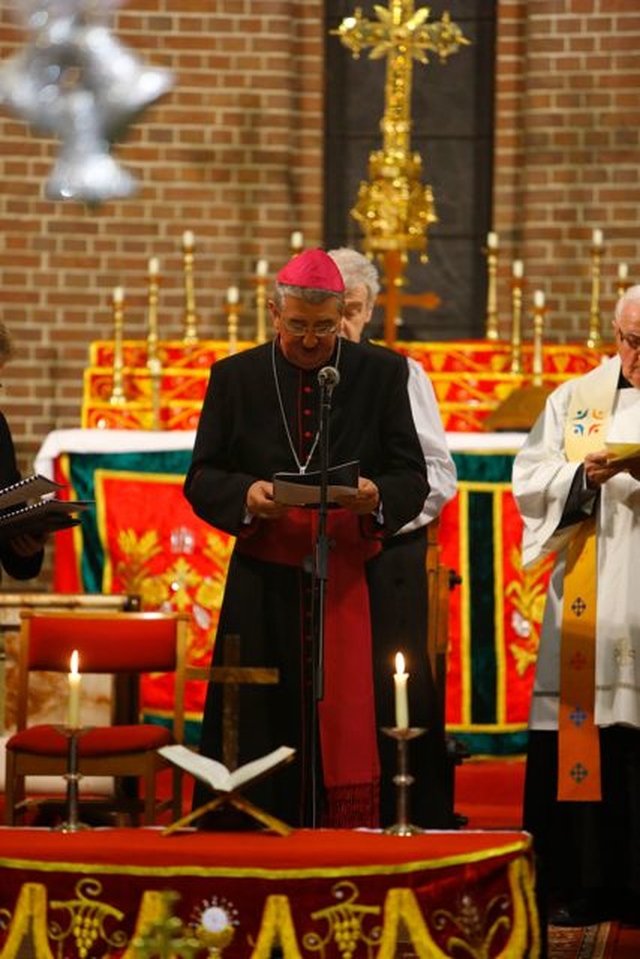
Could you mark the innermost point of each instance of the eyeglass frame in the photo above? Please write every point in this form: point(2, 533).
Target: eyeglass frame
point(632, 340)
point(309, 330)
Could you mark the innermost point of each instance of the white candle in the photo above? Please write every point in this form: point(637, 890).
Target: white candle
point(518, 269)
point(597, 237)
point(154, 266)
point(73, 706)
point(492, 240)
point(538, 299)
point(400, 683)
point(262, 268)
point(297, 240)
point(623, 271)
point(188, 240)
point(233, 295)
point(118, 295)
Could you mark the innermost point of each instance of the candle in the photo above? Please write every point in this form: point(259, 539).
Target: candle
point(73, 706)
point(538, 299)
point(262, 268)
point(188, 240)
point(118, 295)
point(400, 683)
point(623, 271)
point(233, 295)
point(297, 240)
point(492, 240)
point(518, 269)
point(597, 237)
point(154, 266)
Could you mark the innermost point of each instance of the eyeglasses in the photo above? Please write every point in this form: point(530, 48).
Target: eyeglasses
point(631, 339)
point(300, 328)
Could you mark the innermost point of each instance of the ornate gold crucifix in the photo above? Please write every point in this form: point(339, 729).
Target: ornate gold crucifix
point(394, 208)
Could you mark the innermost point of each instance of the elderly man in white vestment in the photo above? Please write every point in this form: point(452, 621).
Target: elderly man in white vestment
point(577, 485)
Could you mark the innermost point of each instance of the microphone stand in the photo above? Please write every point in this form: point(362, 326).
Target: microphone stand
point(328, 378)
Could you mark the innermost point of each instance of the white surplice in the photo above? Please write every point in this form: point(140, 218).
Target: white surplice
point(542, 478)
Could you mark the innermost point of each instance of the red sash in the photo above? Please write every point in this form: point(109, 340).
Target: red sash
point(351, 767)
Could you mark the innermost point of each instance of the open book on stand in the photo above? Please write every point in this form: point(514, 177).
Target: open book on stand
point(29, 507)
point(226, 784)
point(303, 489)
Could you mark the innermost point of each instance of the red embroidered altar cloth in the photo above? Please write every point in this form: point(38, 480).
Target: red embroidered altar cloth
point(317, 892)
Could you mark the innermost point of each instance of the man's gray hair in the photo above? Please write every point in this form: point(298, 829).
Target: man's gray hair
point(631, 295)
point(357, 270)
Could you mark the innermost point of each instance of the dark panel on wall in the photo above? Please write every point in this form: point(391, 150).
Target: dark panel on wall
point(452, 129)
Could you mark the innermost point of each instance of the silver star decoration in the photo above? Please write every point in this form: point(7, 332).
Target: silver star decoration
point(75, 80)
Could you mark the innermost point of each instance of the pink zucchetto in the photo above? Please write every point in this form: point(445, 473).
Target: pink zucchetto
point(312, 270)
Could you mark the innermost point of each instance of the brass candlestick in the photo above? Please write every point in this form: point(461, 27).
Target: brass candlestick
point(261, 302)
point(73, 776)
point(595, 336)
point(233, 311)
point(118, 397)
point(403, 780)
point(491, 331)
point(153, 359)
point(516, 327)
point(537, 367)
point(190, 319)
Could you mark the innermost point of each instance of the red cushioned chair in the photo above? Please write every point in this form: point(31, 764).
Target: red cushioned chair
point(116, 643)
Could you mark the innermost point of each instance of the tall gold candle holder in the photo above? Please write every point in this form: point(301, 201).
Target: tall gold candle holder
point(539, 310)
point(595, 336)
point(190, 318)
point(491, 331)
point(403, 780)
point(262, 268)
point(118, 397)
point(154, 364)
point(233, 312)
point(516, 316)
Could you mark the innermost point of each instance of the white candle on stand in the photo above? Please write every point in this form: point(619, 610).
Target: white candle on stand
point(518, 269)
point(400, 683)
point(262, 268)
point(118, 295)
point(233, 295)
point(538, 299)
point(297, 240)
point(623, 271)
point(73, 705)
point(188, 240)
point(154, 266)
point(597, 237)
point(492, 240)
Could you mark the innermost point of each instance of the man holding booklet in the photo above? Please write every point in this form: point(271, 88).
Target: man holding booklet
point(576, 481)
point(261, 417)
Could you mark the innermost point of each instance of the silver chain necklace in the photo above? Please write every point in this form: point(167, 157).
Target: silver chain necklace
point(302, 467)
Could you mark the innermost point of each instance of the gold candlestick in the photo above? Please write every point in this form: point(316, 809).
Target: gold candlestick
point(491, 332)
point(153, 359)
point(595, 336)
point(537, 367)
point(190, 319)
point(516, 310)
point(232, 308)
point(118, 397)
point(261, 300)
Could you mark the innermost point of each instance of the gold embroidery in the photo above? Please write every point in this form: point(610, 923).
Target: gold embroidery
point(528, 595)
point(86, 920)
point(345, 924)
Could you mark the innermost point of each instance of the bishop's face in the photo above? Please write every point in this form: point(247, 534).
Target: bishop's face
point(307, 330)
point(627, 329)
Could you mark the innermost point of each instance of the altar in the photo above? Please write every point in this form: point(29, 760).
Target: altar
point(130, 892)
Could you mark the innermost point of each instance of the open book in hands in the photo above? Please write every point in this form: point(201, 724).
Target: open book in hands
point(217, 776)
point(26, 508)
point(303, 489)
point(622, 451)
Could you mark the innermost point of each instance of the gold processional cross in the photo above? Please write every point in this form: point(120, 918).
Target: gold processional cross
point(394, 208)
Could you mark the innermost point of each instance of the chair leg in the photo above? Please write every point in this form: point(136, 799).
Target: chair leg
point(176, 785)
point(14, 790)
point(149, 813)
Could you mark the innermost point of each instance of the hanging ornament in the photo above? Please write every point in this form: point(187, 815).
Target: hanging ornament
point(75, 80)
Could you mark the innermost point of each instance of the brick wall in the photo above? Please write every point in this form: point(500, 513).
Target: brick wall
point(235, 154)
point(567, 158)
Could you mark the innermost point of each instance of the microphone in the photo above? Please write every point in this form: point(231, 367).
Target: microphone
point(328, 377)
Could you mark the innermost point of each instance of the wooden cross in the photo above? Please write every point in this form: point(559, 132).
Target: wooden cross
point(232, 675)
point(393, 299)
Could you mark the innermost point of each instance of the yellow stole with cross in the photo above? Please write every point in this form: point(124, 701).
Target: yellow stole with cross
point(578, 736)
